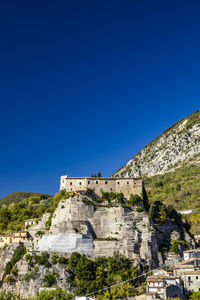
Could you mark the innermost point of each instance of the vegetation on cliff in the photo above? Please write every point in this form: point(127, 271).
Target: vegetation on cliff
point(84, 275)
point(180, 187)
point(13, 215)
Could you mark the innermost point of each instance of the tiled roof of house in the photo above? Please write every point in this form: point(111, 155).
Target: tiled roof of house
point(161, 278)
point(195, 272)
point(192, 250)
point(185, 267)
point(185, 262)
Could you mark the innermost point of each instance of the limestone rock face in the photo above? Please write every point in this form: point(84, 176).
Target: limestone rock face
point(180, 143)
point(100, 230)
point(30, 288)
point(6, 255)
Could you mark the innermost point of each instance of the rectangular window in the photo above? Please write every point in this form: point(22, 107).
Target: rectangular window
point(111, 189)
point(127, 182)
point(106, 182)
point(118, 182)
point(70, 183)
point(88, 182)
point(197, 277)
point(80, 183)
point(96, 182)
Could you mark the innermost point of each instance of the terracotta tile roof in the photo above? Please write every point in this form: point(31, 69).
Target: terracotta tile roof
point(187, 261)
point(185, 267)
point(195, 272)
point(6, 235)
point(192, 250)
point(161, 278)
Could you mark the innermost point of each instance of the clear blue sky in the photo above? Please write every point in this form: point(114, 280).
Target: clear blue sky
point(84, 85)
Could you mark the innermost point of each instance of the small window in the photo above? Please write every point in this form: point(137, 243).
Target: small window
point(88, 182)
point(70, 183)
point(63, 181)
point(80, 183)
point(111, 189)
point(118, 182)
point(197, 277)
point(127, 182)
point(106, 182)
point(96, 182)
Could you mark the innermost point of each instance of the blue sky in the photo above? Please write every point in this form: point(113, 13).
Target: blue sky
point(85, 85)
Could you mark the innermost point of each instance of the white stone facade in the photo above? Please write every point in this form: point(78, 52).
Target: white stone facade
point(126, 186)
point(193, 253)
point(66, 243)
point(192, 280)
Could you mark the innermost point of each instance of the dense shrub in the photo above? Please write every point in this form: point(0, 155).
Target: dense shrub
point(49, 279)
point(134, 200)
point(62, 260)
point(43, 259)
point(110, 196)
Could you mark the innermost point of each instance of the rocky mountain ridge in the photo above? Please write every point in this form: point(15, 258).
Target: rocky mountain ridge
point(177, 145)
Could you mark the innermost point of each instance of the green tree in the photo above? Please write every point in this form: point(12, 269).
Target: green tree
point(49, 279)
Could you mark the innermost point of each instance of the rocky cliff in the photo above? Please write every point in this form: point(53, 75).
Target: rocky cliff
point(179, 144)
point(98, 229)
point(81, 224)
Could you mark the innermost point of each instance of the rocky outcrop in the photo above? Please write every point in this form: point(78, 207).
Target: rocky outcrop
point(29, 281)
point(180, 143)
point(98, 230)
point(6, 254)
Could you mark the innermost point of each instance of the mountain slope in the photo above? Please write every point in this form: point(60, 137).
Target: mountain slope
point(19, 196)
point(180, 187)
point(176, 146)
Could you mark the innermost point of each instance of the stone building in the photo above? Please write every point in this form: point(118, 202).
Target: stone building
point(5, 239)
point(188, 254)
point(21, 237)
point(126, 186)
point(189, 272)
point(29, 222)
point(192, 280)
point(160, 285)
point(184, 266)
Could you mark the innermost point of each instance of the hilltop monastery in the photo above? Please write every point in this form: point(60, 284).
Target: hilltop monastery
point(126, 186)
